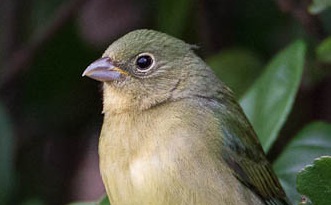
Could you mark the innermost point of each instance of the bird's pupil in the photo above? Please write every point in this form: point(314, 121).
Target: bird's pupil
point(144, 62)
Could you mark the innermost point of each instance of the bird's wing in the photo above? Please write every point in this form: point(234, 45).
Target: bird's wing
point(244, 155)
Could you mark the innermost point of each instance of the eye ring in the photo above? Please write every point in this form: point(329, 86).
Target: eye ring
point(144, 62)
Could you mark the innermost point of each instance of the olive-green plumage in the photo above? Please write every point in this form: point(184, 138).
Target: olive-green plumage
point(173, 133)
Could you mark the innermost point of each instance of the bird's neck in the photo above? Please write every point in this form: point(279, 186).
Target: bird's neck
point(116, 101)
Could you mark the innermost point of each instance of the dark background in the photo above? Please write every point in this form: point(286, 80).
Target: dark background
point(53, 115)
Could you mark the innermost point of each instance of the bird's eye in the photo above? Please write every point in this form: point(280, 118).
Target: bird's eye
point(144, 62)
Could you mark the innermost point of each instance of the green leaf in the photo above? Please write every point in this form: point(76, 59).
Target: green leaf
point(268, 102)
point(317, 6)
point(311, 142)
point(237, 67)
point(6, 156)
point(104, 201)
point(314, 181)
point(323, 51)
point(172, 15)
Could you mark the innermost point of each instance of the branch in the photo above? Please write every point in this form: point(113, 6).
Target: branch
point(20, 60)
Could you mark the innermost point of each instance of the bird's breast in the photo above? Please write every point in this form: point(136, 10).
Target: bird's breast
point(164, 157)
point(142, 168)
point(131, 162)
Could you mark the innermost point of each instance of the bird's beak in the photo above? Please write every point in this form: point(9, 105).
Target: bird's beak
point(104, 70)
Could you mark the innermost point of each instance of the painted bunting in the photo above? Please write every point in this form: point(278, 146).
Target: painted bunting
point(173, 134)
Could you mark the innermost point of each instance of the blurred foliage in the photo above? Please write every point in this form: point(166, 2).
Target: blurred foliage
point(268, 102)
point(314, 181)
point(312, 141)
point(104, 201)
point(49, 114)
point(41, 14)
point(6, 156)
point(173, 15)
point(228, 63)
point(323, 51)
point(317, 6)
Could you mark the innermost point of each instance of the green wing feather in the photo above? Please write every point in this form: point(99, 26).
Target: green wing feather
point(244, 154)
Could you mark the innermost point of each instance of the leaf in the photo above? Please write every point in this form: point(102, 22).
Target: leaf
point(104, 201)
point(268, 102)
point(173, 15)
point(323, 51)
point(6, 156)
point(314, 181)
point(237, 67)
point(311, 142)
point(317, 6)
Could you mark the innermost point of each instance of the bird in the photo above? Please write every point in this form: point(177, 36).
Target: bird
point(173, 132)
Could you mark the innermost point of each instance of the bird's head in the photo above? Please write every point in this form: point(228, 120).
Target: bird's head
point(145, 68)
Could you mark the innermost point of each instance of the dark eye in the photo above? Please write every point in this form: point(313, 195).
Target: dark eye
point(144, 62)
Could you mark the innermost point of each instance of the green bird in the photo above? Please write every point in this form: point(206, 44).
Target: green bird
point(173, 133)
